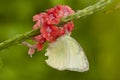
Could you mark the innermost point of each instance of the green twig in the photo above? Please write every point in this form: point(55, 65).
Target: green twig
point(18, 39)
point(87, 11)
point(80, 13)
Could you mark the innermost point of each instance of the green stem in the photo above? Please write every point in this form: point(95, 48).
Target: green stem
point(80, 13)
point(18, 39)
point(87, 11)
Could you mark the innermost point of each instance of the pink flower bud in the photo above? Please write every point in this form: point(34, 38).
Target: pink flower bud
point(31, 51)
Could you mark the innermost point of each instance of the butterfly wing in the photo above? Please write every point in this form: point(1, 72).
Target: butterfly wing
point(67, 54)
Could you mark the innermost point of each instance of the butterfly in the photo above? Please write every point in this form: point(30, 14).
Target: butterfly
point(66, 54)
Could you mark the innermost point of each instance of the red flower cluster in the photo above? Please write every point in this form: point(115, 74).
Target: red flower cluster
point(47, 21)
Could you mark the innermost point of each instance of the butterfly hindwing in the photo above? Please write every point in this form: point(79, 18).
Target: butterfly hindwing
point(67, 54)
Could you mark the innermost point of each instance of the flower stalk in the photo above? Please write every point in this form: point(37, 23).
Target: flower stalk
point(80, 13)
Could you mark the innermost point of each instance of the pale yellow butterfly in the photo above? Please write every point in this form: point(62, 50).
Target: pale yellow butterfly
point(67, 54)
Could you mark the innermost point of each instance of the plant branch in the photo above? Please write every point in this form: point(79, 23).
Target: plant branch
point(86, 11)
point(18, 39)
point(80, 13)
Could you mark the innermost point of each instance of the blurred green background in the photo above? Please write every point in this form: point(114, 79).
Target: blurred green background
point(98, 34)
